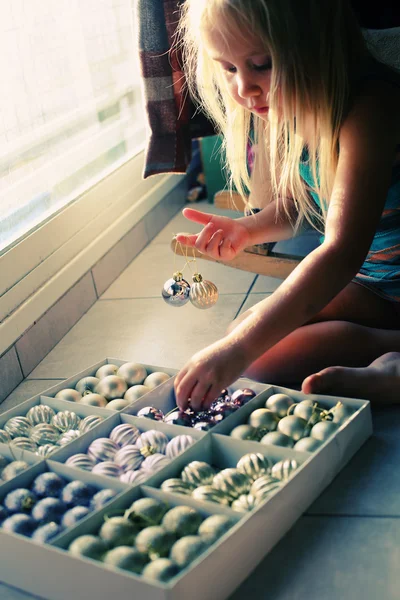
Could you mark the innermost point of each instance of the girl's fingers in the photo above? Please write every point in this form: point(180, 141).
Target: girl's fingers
point(196, 216)
point(203, 238)
point(198, 393)
point(213, 245)
point(186, 240)
point(226, 250)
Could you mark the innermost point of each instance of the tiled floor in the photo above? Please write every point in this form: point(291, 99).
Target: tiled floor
point(347, 545)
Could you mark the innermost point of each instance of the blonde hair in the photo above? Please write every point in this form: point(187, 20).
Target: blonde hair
point(315, 49)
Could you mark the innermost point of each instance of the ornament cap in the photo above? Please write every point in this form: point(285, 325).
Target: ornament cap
point(177, 276)
point(197, 278)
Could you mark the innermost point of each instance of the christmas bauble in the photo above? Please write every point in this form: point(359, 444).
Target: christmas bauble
point(80, 461)
point(135, 392)
point(152, 442)
point(307, 444)
point(155, 462)
point(66, 420)
point(323, 430)
point(133, 373)
point(203, 293)
point(106, 370)
point(24, 444)
point(176, 290)
point(44, 433)
point(46, 450)
point(93, 400)
point(18, 427)
point(86, 385)
point(102, 449)
point(283, 469)
point(279, 404)
point(69, 395)
point(254, 465)
point(178, 445)
point(129, 458)
point(124, 434)
point(111, 387)
point(107, 468)
point(40, 414)
point(293, 426)
point(133, 477)
point(276, 438)
point(304, 409)
point(117, 404)
point(4, 437)
point(89, 422)
point(68, 436)
point(155, 379)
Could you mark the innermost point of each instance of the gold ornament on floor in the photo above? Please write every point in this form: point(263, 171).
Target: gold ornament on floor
point(177, 291)
point(203, 293)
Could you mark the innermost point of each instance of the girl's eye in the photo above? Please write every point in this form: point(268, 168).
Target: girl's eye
point(230, 69)
point(265, 67)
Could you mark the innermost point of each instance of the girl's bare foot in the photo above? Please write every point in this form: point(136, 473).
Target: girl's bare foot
point(379, 382)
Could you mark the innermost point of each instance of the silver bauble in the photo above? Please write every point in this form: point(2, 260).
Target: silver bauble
point(44, 434)
point(69, 395)
point(124, 434)
point(66, 420)
point(111, 387)
point(24, 443)
point(86, 385)
point(40, 414)
point(283, 469)
point(135, 392)
point(106, 370)
point(4, 437)
point(46, 450)
point(89, 422)
point(133, 373)
point(176, 290)
point(80, 461)
point(108, 468)
point(18, 427)
point(203, 293)
point(93, 400)
point(102, 449)
point(69, 436)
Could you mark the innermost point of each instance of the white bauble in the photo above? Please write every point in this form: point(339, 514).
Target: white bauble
point(111, 387)
point(117, 404)
point(133, 373)
point(155, 379)
point(276, 438)
point(323, 430)
point(307, 444)
point(124, 434)
point(135, 392)
point(279, 404)
point(292, 426)
point(86, 385)
point(93, 400)
point(69, 395)
point(106, 370)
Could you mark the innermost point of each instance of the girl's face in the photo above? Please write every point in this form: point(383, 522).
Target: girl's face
point(246, 68)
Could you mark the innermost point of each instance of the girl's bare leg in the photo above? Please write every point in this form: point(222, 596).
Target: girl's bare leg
point(354, 330)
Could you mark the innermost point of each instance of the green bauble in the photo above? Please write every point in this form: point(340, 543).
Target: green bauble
point(161, 569)
point(187, 549)
point(198, 473)
point(88, 545)
point(182, 521)
point(212, 528)
point(118, 531)
point(155, 541)
point(254, 465)
point(127, 558)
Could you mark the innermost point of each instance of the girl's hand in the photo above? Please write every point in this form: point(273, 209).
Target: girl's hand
point(221, 238)
point(206, 374)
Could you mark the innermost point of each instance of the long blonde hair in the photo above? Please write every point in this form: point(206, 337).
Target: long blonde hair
point(316, 48)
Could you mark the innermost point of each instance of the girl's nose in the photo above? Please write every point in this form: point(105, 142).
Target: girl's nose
point(246, 88)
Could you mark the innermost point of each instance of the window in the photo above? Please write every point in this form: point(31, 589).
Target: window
point(71, 108)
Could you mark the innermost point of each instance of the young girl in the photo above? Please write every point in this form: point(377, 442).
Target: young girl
point(297, 79)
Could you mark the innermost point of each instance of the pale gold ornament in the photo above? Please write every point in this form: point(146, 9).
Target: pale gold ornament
point(203, 294)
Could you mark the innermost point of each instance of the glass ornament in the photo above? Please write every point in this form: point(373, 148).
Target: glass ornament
point(46, 450)
point(24, 443)
point(44, 433)
point(69, 394)
point(89, 422)
point(176, 290)
point(18, 427)
point(133, 373)
point(111, 387)
point(102, 449)
point(40, 414)
point(105, 370)
point(86, 385)
point(203, 293)
point(66, 420)
point(69, 436)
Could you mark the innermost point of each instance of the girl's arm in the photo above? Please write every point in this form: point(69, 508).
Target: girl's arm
point(367, 147)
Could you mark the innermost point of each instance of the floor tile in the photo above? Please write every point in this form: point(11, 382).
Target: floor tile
point(144, 330)
point(330, 559)
point(147, 273)
point(27, 389)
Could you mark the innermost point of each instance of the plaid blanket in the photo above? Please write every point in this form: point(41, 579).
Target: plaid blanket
point(172, 117)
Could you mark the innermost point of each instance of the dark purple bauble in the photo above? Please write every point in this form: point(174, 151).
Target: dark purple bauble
point(20, 500)
point(3, 513)
point(73, 515)
point(224, 409)
point(150, 412)
point(223, 396)
point(202, 415)
point(48, 485)
point(48, 509)
point(179, 418)
point(102, 498)
point(20, 523)
point(77, 493)
point(45, 533)
point(204, 425)
point(241, 396)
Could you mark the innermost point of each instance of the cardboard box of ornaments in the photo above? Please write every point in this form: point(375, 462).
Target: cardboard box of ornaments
point(50, 571)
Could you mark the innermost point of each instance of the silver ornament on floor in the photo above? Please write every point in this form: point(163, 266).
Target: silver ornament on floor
point(203, 293)
point(176, 290)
